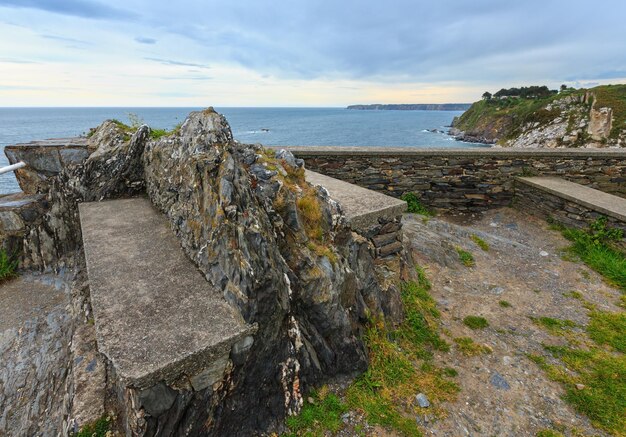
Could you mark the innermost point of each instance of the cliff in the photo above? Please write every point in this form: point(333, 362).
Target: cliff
point(413, 107)
point(573, 118)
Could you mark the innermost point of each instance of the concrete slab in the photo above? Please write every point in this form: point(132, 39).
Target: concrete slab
point(596, 200)
point(361, 206)
point(156, 316)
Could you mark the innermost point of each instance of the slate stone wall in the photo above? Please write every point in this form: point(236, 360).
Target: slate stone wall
point(538, 202)
point(464, 179)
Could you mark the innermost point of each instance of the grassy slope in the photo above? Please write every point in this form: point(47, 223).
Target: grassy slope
point(504, 119)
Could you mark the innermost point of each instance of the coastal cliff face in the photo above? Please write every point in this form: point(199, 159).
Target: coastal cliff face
point(592, 118)
point(279, 249)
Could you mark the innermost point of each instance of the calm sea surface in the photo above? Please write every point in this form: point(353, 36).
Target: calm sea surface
point(268, 126)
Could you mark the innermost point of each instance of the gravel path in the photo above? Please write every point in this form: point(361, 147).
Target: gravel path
point(503, 393)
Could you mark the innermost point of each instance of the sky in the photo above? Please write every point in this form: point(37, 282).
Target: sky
point(300, 52)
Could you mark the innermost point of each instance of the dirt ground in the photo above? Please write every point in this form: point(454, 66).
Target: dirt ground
point(503, 393)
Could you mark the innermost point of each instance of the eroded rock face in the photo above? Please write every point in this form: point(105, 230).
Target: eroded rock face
point(279, 250)
point(238, 213)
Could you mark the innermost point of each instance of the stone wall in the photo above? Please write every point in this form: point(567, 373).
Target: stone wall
point(567, 212)
point(464, 179)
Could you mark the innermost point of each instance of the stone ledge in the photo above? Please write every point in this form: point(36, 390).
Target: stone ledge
point(470, 152)
point(362, 207)
point(599, 201)
point(157, 318)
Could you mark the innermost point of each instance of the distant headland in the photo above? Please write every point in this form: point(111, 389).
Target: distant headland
point(414, 107)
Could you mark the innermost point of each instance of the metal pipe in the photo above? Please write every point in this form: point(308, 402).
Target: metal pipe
point(12, 167)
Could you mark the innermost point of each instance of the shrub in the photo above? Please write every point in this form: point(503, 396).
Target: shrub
point(475, 322)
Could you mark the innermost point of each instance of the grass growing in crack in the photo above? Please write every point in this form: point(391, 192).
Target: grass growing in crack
point(317, 418)
point(475, 322)
point(480, 242)
point(573, 294)
point(99, 428)
point(8, 266)
point(466, 257)
point(415, 206)
point(470, 348)
point(504, 304)
point(401, 365)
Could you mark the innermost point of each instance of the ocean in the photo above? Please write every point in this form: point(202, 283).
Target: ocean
point(268, 126)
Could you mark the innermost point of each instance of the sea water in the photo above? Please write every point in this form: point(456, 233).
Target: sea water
point(268, 126)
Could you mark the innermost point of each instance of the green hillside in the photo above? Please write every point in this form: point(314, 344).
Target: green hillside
point(505, 118)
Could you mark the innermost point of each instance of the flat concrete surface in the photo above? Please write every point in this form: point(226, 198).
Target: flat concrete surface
point(157, 318)
point(54, 142)
point(593, 199)
point(361, 206)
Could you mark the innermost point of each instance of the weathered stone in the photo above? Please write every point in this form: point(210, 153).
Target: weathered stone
point(157, 399)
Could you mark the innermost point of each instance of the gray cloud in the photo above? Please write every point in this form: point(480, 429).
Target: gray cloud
point(455, 40)
point(174, 62)
point(145, 40)
point(77, 8)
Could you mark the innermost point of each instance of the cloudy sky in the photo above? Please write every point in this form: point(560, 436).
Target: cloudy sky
point(300, 52)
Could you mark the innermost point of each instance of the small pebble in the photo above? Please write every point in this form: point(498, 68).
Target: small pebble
point(422, 400)
point(580, 386)
point(544, 253)
point(498, 381)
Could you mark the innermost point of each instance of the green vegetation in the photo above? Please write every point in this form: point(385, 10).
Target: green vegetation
point(470, 348)
point(549, 433)
point(415, 206)
point(614, 97)
point(99, 428)
point(505, 304)
point(324, 414)
point(596, 249)
point(466, 257)
point(8, 265)
point(401, 365)
point(555, 326)
point(608, 329)
point(480, 242)
point(594, 382)
point(592, 370)
point(475, 322)
point(574, 294)
point(504, 114)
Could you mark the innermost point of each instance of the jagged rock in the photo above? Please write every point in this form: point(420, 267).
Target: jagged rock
point(279, 249)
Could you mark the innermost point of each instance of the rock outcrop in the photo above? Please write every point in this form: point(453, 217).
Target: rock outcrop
point(279, 250)
point(595, 118)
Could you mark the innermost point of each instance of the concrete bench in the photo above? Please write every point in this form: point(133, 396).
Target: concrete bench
point(373, 215)
point(157, 318)
point(569, 203)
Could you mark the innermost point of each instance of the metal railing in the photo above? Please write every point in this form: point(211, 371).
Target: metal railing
point(12, 167)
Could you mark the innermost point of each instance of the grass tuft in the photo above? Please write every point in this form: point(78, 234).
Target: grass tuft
point(505, 304)
point(415, 206)
point(99, 428)
point(470, 348)
point(475, 322)
point(317, 418)
point(466, 257)
point(8, 266)
point(555, 326)
point(480, 242)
